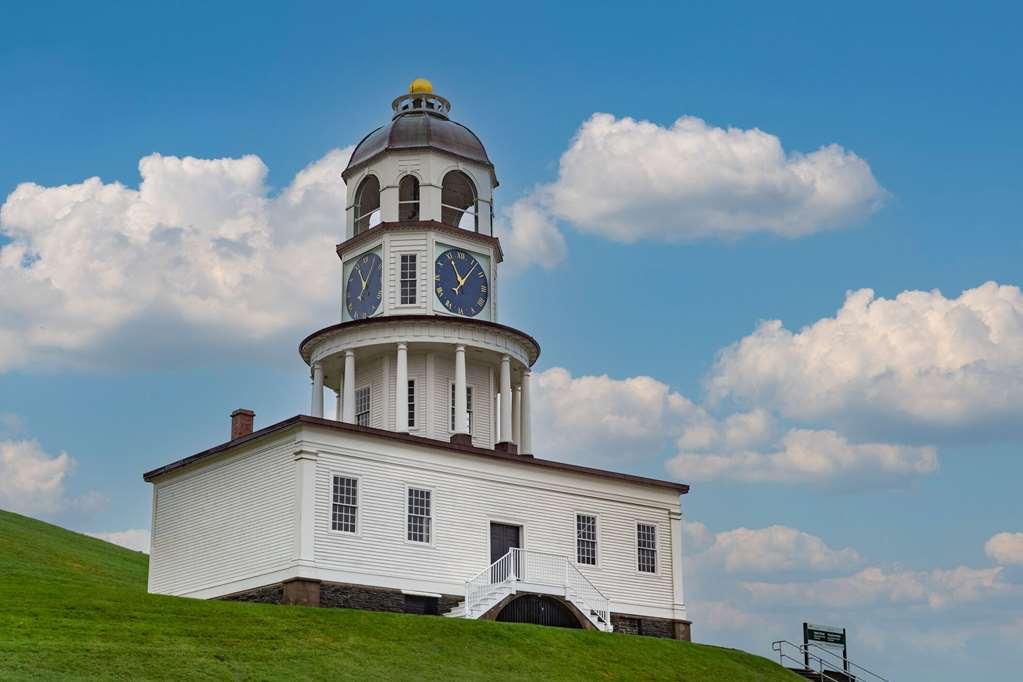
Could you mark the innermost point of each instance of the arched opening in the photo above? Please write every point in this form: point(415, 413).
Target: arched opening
point(539, 610)
point(408, 198)
point(459, 205)
point(367, 204)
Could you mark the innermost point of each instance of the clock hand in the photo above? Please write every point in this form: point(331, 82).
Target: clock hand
point(363, 290)
point(452, 261)
point(461, 281)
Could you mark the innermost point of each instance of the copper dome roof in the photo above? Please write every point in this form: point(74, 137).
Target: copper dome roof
point(416, 128)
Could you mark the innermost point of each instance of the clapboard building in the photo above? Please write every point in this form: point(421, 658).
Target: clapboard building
point(419, 491)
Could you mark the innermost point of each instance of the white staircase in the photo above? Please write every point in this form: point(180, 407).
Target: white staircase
point(532, 572)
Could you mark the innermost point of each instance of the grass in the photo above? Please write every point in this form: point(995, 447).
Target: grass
point(73, 607)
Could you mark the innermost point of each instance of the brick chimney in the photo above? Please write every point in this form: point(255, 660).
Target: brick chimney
point(241, 423)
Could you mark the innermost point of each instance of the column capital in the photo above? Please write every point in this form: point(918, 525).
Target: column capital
point(349, 353)
point(402, 345)
point(305, 453)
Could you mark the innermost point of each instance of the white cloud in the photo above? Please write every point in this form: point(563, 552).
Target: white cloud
point(597, 419)
point(529, 236)
point(31, 481)
point(805, 456)
point(1005, 548)
point(629, 180)
point(134, 538)
point(919, 361)
point(875, 585)
point(772, 549)
point(198, 258)
point(10, 424)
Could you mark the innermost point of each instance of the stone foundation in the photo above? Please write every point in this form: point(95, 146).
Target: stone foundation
point(347, 596)
point(652, 627)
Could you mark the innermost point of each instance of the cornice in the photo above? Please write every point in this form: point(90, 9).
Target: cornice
point(372, 233)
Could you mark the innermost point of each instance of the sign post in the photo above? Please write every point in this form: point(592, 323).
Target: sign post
point(824, 634)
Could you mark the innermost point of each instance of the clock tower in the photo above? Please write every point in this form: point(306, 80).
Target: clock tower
point(419, 348)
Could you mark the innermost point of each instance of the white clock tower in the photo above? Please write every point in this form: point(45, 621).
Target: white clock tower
point(419, 349)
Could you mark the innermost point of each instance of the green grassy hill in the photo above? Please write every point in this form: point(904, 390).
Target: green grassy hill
point(73, 607)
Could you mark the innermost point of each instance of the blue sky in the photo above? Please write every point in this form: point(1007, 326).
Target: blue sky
point(926, 96)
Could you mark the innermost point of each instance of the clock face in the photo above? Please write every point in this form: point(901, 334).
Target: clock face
point(362, 291)
point(460, 283)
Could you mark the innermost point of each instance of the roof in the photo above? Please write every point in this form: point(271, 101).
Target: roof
point(421, 130)
point(523, 460)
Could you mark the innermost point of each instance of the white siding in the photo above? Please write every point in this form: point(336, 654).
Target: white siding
point(410, 243)
point(230, 520)
point(470, 492)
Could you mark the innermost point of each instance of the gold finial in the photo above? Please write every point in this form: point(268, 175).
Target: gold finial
point(420, 86)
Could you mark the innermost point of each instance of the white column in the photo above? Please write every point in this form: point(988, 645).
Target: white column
point(317, 403)
point(517, 416)
point(401, 390)
point(679, 597)
point(526, 443)
point(461, 411)
point(506, 400)
point(305, 471)
point(348, 392)
point(337, 404)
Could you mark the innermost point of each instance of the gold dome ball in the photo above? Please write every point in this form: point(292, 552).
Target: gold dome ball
point(420, 86)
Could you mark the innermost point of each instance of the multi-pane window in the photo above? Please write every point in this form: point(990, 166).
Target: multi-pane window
point(468, 406)
point(362, 406)
point(419, 515)
point(646, 547)
point(586, 539)
point(408, 278)
point(345, 508)
point(411, 403)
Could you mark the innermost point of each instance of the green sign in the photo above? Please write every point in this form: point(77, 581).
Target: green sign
point(825, 634)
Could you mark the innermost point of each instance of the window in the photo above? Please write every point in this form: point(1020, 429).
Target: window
point(411, 403)
point(419, 515)
point(408, 278)
point(362, 406)
point(586, 539)
point(468, 406)
point(458, 201)
point(646, 547)
point(421, 604)
point(408, 198)
point(367, 204)
point(345, 508)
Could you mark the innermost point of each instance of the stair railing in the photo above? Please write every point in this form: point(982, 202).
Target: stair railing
point(481, 585)
point(806, 660)
point(841, 660)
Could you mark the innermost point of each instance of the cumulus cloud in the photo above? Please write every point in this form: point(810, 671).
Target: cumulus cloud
point(772, 549)
point(31, 481)
point(805, 456)
point(529, 236)
point(598, 419)
point(875, 585)
point(920, 362)
point(628, 180)
point(199, 258)
point(1005, 548)
point(133, 538)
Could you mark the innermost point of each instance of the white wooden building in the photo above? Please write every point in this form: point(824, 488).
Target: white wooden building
point(419, 492)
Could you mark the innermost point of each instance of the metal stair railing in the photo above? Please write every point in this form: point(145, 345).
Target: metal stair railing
point(841, 659)
point(804, 656)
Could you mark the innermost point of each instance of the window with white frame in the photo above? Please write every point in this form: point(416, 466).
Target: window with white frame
point(646, 547)
point(586, 539)
point(420, 515)
point(362, 406)
point(408, 278)
point(468, 406)
point(345, 507)
point(411, 403)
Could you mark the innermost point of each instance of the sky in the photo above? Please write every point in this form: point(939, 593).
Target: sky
point(787, 239)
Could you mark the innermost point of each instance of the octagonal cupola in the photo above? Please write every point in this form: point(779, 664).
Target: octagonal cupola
point(422, 166)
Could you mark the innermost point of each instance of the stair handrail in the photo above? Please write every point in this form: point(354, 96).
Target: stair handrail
point(478, 586)
point(832, 654)
point(805, 656)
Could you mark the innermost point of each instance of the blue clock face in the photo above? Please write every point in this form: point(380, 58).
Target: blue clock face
point(460, 283)
point(362, 291)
